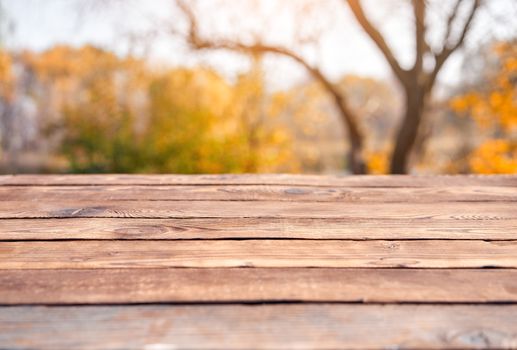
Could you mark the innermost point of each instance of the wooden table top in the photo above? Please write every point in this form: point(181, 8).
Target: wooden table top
point(163, 262)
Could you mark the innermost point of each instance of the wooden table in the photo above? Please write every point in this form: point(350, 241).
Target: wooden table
point(260, 261)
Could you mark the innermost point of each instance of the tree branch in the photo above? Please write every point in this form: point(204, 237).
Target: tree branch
point(466, 26)
point(450, 48)
point(349, 118)
point(450, 21)
point(419, 9)
point(377, 38)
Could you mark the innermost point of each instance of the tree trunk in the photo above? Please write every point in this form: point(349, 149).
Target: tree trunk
point(408, 131)
point(354, 158)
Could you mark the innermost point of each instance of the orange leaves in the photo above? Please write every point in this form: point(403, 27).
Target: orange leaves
point(495, 156)
point(464, 103)
point(6, 76)
point(493, 106)
point(5, 65)
point(377, 163)
point(495, 103)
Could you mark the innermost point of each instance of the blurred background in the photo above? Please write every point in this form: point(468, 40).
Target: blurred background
point(275, 86)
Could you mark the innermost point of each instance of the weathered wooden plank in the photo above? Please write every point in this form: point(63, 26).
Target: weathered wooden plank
point(220, 209)
point(123, 286)
point(256, 228)
point(260, 193)
point(322, 326)
point(264, 179)
point(257, 253)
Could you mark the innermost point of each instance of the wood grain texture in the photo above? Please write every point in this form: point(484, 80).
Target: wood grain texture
point(123, 286)
point(257, 253)
point(260, 193)
point(264, 179)
point(501, 211)
point(386, 260)
point(307, 326)
point(257, 228)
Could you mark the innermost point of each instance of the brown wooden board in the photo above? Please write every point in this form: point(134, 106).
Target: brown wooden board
point(266, 179)
point(501, 211)
point(245, 228)
point(122, 286)
point(260, 193)
point(258, 253)
point(257, 261)
point(322, 326)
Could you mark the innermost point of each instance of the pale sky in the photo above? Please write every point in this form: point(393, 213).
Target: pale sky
point(343, 49)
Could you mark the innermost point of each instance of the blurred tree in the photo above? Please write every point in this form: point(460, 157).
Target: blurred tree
point(6, 74)
point(318, 144)
point(211, 126)
point(181, 120)
point(267, 139)
point(6, 82)
point(417, 82)
point(17, 127)
point(6, 85)
point(114, 114)
point(493, 106)
point(88, 97)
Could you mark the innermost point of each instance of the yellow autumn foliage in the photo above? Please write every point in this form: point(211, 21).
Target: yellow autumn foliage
point(6, 75)
point(118, 115)
point(495, 157)
point(378, 162)
point(494, 109)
